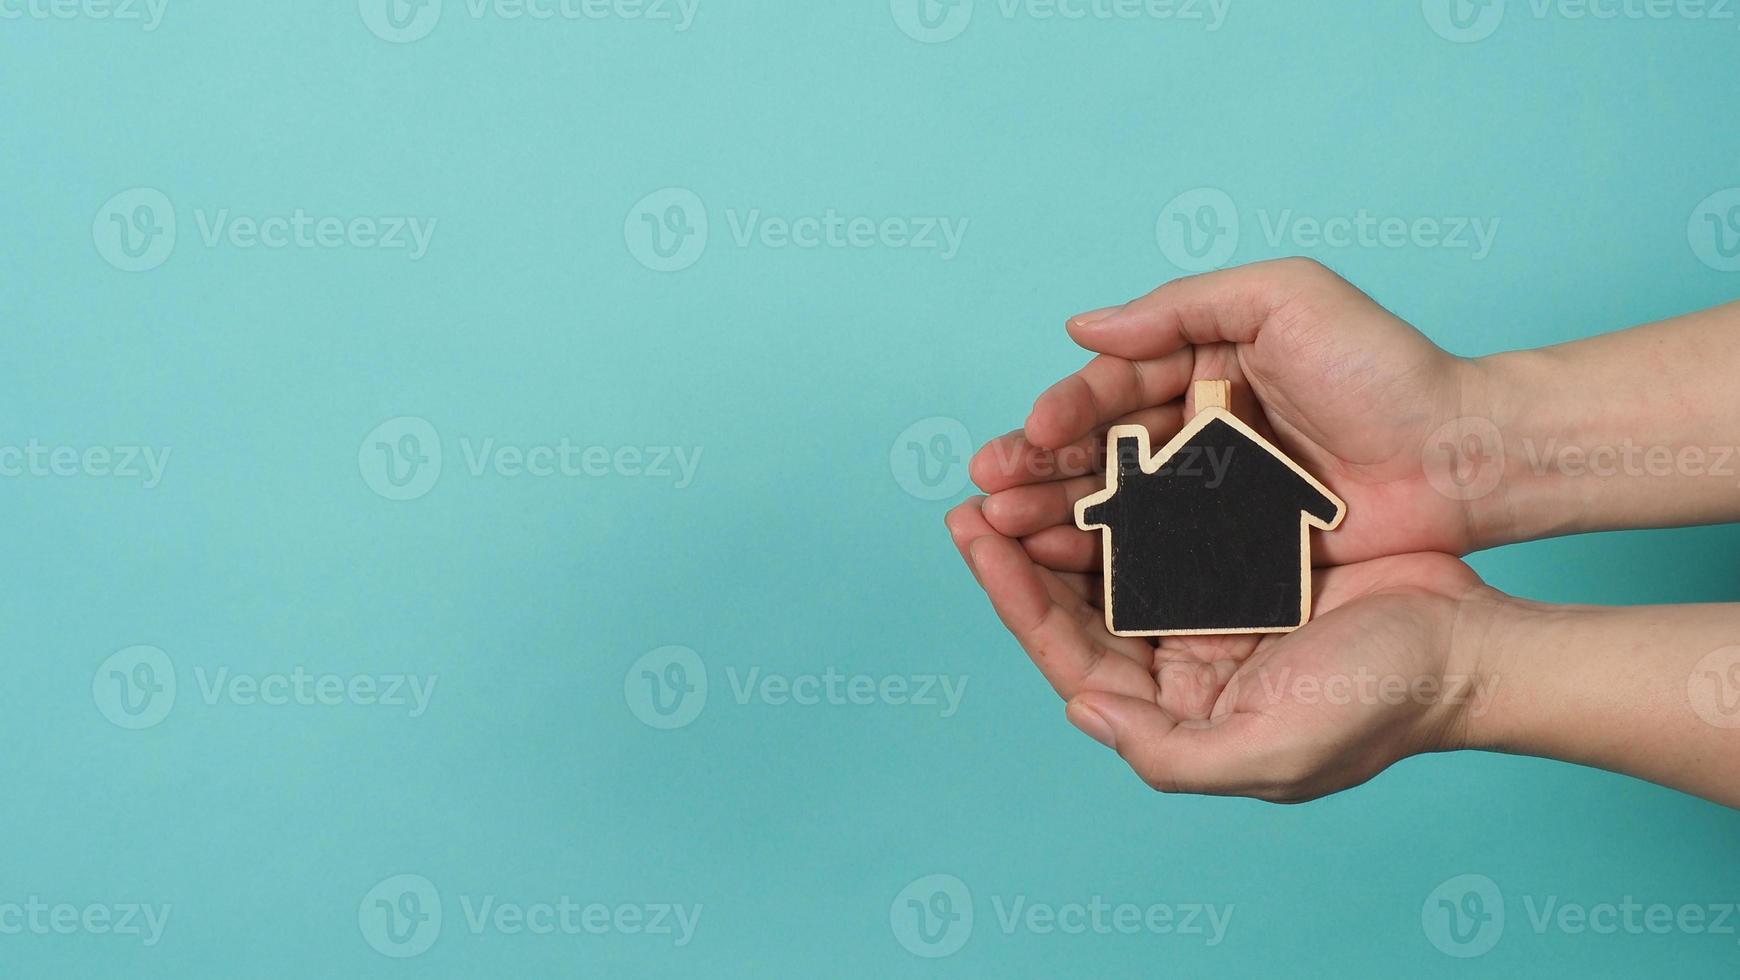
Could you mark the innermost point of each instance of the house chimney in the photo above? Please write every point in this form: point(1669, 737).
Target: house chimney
point(1213, 394)
point(1129, 456)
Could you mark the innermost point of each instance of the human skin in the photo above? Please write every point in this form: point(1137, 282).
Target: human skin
point(1436, 456)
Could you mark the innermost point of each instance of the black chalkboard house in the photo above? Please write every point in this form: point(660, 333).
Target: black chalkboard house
point(1210, 535)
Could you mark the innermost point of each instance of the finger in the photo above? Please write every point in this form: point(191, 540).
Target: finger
point(1081, 587)
point(1020, 511)
point(1052, 636)
point(1189, 688)
point(1079, 596)
point(1011, 461)
point(1016, 591)
point(966, 523)
point(1074, 593)
point(1107, 389)
point(1066, 549)
point(1229, 305)
point(1208, 649)
point(1079, 593)
point(1173, 757)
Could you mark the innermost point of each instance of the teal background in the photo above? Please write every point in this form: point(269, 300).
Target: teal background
point(796, 549)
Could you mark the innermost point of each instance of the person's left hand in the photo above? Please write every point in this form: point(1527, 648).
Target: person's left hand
point(1387, 668)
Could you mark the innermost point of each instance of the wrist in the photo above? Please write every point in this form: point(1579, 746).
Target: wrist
point(1478, 660)
point(1499, 638)
point(1513, 412)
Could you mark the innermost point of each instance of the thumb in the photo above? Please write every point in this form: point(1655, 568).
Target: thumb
point(1212, 757)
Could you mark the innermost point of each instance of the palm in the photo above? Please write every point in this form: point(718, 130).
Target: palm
point(1365, 683)
point(1367, 438)
point(1313, 692)
point(1357, 393)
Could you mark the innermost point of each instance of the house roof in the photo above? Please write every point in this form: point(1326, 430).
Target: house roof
point(1153, 463)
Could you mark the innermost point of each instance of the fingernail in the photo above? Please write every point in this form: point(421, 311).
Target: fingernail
point(1081, 319)
point(1092, 724)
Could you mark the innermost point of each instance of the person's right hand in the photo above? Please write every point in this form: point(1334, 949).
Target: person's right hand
point(1391, 666)
point(1346, 388)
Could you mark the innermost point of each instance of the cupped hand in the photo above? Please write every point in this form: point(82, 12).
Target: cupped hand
point(1387, 668)
point(1349, 390)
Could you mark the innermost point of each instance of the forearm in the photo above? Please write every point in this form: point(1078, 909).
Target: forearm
point(1653, 692)
point(1632, 429)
